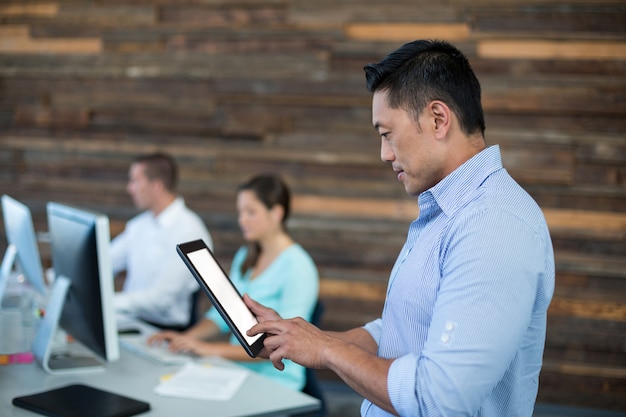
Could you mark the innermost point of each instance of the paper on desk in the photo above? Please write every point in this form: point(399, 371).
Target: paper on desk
point(203, 382)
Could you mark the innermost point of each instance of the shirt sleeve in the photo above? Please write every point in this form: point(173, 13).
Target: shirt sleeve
point(118, 250)
point(483, 310)
point(158, 299)
point(374, 328)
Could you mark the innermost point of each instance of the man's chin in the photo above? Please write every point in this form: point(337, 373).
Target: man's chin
point(411, 192)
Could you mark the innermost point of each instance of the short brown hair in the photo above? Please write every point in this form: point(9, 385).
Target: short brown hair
point(160, 166)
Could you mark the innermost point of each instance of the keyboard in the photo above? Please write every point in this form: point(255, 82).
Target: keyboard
point(155, 353)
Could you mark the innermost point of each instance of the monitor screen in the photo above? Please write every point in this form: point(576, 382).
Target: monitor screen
point(20, 232)
point(79, 243)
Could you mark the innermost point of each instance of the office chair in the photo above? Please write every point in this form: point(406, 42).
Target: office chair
point(312, 385)
point(193, 314)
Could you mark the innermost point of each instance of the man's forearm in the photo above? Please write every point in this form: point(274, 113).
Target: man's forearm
point(355, 363)
point(358, 336)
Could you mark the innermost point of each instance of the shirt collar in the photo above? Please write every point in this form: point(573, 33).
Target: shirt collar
point(451, 193)
point(171, 213)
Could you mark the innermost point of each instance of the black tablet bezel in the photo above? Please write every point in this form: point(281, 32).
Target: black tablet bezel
point(195, 245)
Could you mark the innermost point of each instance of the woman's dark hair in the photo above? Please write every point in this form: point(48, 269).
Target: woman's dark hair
point(271, 191)
point(425, 70)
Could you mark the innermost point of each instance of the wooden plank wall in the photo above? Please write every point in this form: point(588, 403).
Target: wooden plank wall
point(236, 88)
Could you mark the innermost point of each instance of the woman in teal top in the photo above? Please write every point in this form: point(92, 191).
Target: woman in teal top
point(272, 268)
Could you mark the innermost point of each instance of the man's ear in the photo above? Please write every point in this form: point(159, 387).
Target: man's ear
point(442, 118)
point(157, 185)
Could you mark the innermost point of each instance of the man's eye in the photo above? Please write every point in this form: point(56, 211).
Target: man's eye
point(384, 135)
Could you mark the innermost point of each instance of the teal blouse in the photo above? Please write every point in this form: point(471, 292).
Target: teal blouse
point(289, 285)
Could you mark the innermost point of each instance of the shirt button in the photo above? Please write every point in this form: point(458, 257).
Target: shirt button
point(449, 325)
point(445, 338)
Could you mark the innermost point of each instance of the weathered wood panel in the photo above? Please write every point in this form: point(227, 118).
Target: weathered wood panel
point(236, 88)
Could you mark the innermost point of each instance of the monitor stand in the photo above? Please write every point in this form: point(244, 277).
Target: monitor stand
point(7, 267)
point(76, 358)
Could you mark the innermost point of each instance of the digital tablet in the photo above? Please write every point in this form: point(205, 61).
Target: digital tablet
point(222, 293)
point(78, 400)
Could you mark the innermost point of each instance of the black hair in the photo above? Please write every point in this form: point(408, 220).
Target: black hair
point(425, 70)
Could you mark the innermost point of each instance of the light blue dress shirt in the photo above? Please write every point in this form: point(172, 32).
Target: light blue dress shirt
point(289, 285)
point(465, 313)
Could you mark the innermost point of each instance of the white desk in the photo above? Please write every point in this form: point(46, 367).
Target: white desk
point(136, 377)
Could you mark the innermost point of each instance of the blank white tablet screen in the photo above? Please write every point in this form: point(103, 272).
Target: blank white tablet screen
point(224, 292)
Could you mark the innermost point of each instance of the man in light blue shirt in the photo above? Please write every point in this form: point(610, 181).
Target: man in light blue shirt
point(463, 327)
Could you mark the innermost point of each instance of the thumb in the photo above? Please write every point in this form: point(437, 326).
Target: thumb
point(260, 311)
point(252, 305)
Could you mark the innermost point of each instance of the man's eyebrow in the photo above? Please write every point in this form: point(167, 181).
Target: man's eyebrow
point(377, 126)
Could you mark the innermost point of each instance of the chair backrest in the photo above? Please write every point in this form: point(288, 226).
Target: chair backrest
point(193, 314)
point(318, 312)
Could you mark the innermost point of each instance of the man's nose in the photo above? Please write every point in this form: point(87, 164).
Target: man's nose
point(386, 153)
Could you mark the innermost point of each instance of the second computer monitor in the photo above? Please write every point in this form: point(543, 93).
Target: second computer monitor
point(81, 301)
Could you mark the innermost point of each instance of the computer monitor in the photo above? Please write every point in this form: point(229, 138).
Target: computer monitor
point(22, 246)
point(81, 299)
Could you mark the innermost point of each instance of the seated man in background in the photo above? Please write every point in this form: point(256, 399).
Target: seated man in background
point(158, 287)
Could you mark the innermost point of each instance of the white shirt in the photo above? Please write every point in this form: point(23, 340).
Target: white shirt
point(158, 285)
